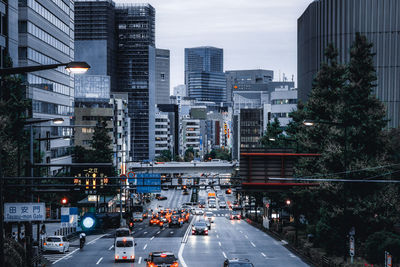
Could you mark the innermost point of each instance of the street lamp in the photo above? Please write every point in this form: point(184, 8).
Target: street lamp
point(76, 67)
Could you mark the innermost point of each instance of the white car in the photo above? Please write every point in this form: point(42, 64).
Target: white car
point(56, 243)
point(222, 204)
point(124, 249)
point(198, 211)
point(202, 187)
point(209, 216)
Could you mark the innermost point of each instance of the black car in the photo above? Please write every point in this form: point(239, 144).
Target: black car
point(166, 259)
point(235, 215)
point(176, 221)
point(200, 228)
point(160, 197)
point(237, 263)
point(185, 192)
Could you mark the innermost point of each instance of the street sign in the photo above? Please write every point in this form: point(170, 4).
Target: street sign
point(352, 249)
point(24, 212)
point(69, 216)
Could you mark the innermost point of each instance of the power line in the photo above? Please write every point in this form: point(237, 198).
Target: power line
point(336, 180)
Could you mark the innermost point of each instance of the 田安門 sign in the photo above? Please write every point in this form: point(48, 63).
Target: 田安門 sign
point(23, 212)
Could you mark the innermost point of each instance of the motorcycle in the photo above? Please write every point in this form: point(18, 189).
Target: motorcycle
point(82, 240)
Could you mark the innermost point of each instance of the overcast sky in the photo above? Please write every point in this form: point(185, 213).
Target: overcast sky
point(253, 33)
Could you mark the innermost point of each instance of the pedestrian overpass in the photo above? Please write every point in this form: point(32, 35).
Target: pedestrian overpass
point(183, 167)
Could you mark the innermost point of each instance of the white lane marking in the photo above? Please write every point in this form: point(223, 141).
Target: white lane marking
point(171, 232)
point(263, 254)
point(65, 256)
point(183, 243)
point(291, 255)
point(145, 233)
point(252, 244)
point(111, 247)
point(246, 236)
point(158, 232)
point(224, 254)
point(217, 236)
point(94, 240)
point(140, 229)
point(219, 243)
point(99, 261)
point(241, 231)
point(152, 238)
point(145, 246)
point(140, 259)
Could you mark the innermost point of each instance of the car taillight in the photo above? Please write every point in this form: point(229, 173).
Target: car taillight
point(193, 231)
point(175, 264)
point(132, 257)
point(116, 257)
point(44, 244)
point(152, 265)
point(61, 244)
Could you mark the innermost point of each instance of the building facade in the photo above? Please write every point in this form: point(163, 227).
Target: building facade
point(136, 57)
point(162, 135)
point(8, 32)
point(46, 36)
point(204, 76)
point(162, 76)
point(337, 21)
point(283, 101)
point(191, 136)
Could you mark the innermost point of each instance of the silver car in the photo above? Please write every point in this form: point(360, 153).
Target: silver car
point(56, 243)
point(222, 204)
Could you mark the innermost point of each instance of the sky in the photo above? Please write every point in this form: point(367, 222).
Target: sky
point(255, 34)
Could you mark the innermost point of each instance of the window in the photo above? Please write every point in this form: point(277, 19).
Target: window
point(162, 76)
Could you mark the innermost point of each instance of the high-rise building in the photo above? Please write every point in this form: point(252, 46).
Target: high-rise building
point(162, 134)
point(95, 40)
point(46, 36)
point(9, 32)
point(204, 76)
point(136, 55)
point(162, 76)
point(337, 21)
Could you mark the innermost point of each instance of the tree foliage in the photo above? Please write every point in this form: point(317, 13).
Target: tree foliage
point(165, 156)
point(219, 153)
point(189, 154)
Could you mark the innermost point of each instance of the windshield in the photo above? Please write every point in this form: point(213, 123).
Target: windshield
point(53, 239)
point(167, 259)
point(202, 224)
point(121, 233)
point(237, 264)
point(124, 244)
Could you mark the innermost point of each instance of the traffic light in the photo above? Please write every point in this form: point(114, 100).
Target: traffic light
point(64, 201)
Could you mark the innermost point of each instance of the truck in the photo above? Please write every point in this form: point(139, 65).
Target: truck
point(136, 212)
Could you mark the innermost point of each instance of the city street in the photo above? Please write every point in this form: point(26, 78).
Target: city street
point(227, 239)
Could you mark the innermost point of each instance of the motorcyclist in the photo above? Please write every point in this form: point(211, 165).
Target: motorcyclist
point(82, 239)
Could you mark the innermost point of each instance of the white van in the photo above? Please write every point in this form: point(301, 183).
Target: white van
point(124, 249)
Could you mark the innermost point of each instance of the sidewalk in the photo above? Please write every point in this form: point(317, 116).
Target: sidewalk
point(51, 228)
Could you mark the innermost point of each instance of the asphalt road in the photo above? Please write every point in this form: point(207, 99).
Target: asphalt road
point(226, 239)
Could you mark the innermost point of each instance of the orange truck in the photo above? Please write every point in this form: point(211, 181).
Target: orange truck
point(211, 195)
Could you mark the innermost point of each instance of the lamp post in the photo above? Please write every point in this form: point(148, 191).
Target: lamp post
point(272, 139)
point(73, 67)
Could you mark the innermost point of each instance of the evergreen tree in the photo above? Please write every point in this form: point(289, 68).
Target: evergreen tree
point(101, 142)
point(273, 136)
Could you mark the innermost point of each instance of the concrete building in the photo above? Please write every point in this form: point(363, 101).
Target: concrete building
point(251, 127)
point(337, 21)
point(162, 134)
point(283, 101)
point(121, 131)
point(172, 111)
point(9, 32)
point(45, 37)
point(162, 76)
point(191, 136)
point(204, 77)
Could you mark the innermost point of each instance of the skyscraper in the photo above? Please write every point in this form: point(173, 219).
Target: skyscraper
point(136, 55)
point(162, 76)
point(9, 32)
point(45, 37)
point(337, 21)
point(204, 76)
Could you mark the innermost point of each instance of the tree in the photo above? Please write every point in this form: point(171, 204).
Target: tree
point(101, 142)
point(189, 154)
point(273, 136)
point(219, 153)
point(165, 156)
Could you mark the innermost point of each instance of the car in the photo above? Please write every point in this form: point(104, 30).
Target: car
point(154, 220)
point(235, 215)
point(137, 217)
point(217, 188)
point(124, 249)
point(222, 204)
point(197, 211)
point(164, 187)
point(209, 216)
point(202, 203)
point(160, 197)
point(185, 192)
point(228, 191)
point(121, 232)
point(176, 221)
point(165, 258)
point(237, 262)
point(56, 243)
point(179, 187)
point(212, 204)
point(200, 228)
point(162, 222)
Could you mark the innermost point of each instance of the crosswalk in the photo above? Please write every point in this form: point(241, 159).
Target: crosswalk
point(55, 257)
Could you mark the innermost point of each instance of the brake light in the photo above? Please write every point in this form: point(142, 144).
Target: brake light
point(61, 244)
point(163, 255)
point(175, 264)
point(193, 231)
point(116, 257)
point(132, 257)
point(44, 244)
point(152, 265)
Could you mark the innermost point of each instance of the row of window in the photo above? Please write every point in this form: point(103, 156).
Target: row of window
point(51, 108)
point(45, 37)
point(96, 118)
point(280, 115)
point(62, 5)
point(39, 82)
point(123, 26)
point(42, 59)
point(283, 101)
point(249, 139)
point(42, 11)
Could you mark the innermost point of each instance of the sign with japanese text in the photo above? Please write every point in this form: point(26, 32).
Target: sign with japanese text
point(23, 212)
